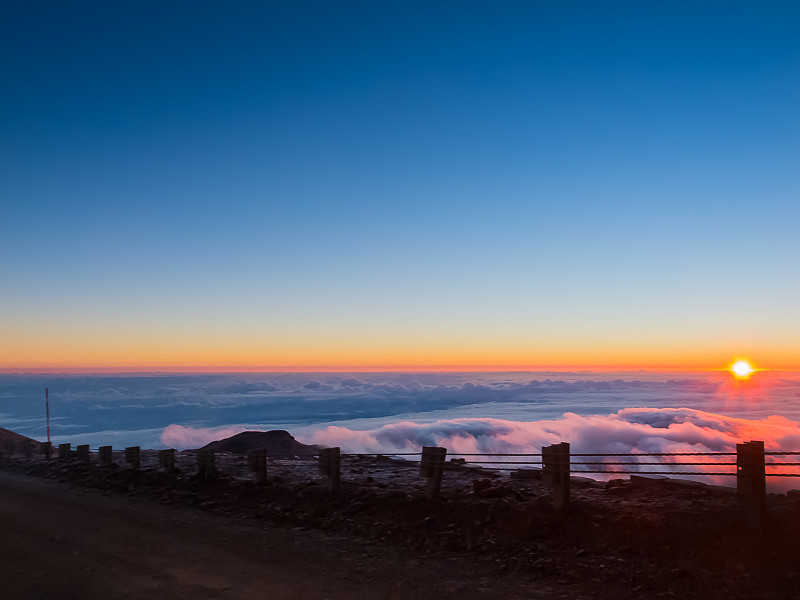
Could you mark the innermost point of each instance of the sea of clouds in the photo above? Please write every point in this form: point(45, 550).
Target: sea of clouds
point(385, 412)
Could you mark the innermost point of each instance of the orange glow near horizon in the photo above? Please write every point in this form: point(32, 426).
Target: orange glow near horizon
point(196, 353)
point(358, 362)
point(347, 369)
point(740, 369)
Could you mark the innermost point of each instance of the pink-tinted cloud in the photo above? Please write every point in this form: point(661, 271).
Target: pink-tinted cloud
point(637, 430)
point(178, 436)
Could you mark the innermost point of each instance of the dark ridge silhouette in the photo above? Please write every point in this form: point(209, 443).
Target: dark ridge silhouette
point(274, 442)
point(10, 437)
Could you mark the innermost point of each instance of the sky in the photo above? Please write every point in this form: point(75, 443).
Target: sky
point(300, 185)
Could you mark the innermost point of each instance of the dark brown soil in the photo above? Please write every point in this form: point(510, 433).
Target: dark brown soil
point(383, 534)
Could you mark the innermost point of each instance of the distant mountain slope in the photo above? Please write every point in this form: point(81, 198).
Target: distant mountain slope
point(8, 437)
point(274, 442)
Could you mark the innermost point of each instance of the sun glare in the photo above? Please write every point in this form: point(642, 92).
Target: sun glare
point(742, 369)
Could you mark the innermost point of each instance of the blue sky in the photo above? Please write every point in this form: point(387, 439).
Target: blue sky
point(316, 183)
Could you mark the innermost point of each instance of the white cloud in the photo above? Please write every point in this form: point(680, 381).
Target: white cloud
point(178, 436)
point(637, 430)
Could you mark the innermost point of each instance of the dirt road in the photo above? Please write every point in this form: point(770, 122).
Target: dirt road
point(63, 543)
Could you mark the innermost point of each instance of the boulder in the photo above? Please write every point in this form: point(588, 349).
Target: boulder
point(648, 481)
point(527, 474)
point(685, 483)
point(485, 488)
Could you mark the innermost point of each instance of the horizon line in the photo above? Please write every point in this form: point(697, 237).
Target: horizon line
point(362, 369)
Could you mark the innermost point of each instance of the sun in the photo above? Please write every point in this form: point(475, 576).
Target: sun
point(742, 369)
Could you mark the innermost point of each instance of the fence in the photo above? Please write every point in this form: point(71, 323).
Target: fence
point(555, 465)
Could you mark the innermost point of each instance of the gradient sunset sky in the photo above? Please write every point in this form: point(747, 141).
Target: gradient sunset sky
point(399, 184)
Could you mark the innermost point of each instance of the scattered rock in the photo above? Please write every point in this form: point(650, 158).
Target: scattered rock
point(535, 474)
point(686, 483)
point(648, 481)
point(486, 488)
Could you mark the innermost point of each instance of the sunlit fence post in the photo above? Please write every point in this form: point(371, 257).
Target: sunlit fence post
point(257, 461)
point(556, 473)
point(751, 482)
point(166, 460)
point(104, 454)
point(431, 466)
point(330, 462)
point(133, 456)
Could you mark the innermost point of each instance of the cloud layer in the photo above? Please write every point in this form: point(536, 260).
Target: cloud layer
point(627, 430)
point(501, 412)
point(632, 430)
point(178, 436)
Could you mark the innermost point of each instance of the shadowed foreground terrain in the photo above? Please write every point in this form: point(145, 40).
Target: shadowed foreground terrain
point(65, 543)
point(79, 530)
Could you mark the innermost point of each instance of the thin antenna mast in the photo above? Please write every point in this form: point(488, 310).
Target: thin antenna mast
point(47, 410)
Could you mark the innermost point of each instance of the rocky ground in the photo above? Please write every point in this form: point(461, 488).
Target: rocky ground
point(646, 539)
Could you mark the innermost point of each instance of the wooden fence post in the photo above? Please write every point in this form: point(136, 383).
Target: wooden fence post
point(64, 451)
point(166, 460)
point(330, 464)
point(82, 451)
point(47, 449)
point(105, 455)
point(133, 456)
point(547, 465)
point(751, 482)
point(257, 461)
point(431, 465)
point(556, 473)
point(27, 448)
point(206, 465)
point(561, 489)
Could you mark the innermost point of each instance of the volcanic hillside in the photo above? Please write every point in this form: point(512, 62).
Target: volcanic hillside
point(275, 442)
point(11, 438)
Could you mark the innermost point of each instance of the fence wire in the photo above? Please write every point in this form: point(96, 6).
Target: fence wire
point(498, 461)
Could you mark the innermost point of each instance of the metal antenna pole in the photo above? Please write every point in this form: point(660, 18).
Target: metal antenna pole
point(47, 410)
